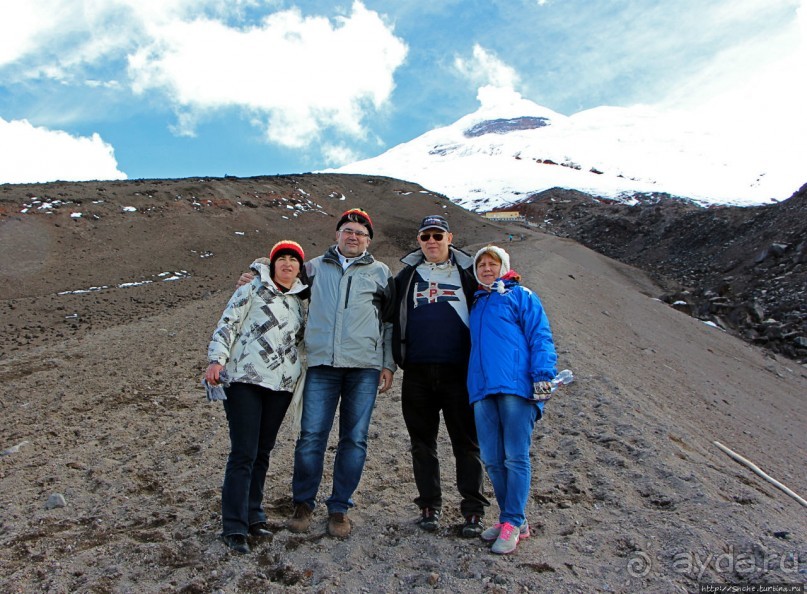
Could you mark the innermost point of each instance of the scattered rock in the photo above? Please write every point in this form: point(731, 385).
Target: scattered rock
point(55, 500)
point(13, 449)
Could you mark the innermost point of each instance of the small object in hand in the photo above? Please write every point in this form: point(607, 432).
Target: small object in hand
point(216, 392)
point(542, 391)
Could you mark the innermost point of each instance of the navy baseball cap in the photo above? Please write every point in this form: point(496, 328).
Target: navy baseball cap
point(433, 222)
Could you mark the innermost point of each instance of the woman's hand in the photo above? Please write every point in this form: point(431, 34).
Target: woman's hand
point(212, 373)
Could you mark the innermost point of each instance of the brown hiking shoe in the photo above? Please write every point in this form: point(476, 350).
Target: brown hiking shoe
point(338, 525)
point(301, 519)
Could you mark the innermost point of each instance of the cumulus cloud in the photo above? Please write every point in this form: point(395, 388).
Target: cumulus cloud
point(485, 68)
point(20, 27)
point(57, 39)
point(297, 75)
point(336, 155)
point(757, 109)
point(32, 154)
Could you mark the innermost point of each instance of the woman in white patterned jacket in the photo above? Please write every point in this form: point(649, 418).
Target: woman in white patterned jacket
point(256, 354)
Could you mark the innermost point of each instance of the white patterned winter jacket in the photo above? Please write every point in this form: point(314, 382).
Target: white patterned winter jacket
point(259, 337)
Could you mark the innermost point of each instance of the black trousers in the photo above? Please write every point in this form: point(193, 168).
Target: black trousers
point(426, 391)
point(254, 416)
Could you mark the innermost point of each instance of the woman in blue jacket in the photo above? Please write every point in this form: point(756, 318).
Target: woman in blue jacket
point(512, 362)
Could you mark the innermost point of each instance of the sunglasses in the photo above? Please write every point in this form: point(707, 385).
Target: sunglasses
point(424, 237)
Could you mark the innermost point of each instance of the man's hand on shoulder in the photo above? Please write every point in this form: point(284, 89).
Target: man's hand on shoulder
point(244, 279)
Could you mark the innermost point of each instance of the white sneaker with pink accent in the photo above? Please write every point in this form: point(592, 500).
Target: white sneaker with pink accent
point(507, 541)
point(493, 532)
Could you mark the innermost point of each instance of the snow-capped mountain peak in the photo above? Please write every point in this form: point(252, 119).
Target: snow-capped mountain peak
point(511, 148)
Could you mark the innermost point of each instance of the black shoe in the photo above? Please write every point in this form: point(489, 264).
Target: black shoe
point(237, 542)
point(472, 528)
point(430, 519)
point(260, 530)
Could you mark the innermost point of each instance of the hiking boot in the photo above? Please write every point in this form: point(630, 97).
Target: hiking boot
point(236, 542)
point(338, 525)
point(260, 530)
point(492, 533)
point(507, 541)
point(301, 519)
point(472, 527)
point(430, 519)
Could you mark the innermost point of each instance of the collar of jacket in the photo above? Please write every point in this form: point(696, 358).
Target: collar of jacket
point(500, 285)
point(460, 258)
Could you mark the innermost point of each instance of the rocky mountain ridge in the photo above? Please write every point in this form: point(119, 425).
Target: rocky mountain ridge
point(741, 268)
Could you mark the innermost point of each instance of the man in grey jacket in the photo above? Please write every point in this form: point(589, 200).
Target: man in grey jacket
point(348, 341)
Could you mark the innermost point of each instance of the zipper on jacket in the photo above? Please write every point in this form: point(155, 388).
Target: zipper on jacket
point(347, 291)
point(403, 317)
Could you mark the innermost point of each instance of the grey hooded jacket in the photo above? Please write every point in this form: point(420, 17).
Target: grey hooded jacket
point(349, 313)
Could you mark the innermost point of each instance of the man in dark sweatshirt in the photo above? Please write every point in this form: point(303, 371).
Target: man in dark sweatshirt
point(431, 343)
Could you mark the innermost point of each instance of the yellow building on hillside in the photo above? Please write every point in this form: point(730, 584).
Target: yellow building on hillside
point(505, 216)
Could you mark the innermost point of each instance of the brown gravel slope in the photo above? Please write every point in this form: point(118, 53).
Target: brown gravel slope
point(100, 391)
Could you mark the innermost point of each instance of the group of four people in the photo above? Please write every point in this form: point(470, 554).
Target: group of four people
point(473, 343)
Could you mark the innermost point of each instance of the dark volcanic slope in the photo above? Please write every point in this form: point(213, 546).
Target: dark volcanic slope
point(63, 275)
point(743, 268)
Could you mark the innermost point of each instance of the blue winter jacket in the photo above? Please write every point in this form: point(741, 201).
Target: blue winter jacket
point(511, 342)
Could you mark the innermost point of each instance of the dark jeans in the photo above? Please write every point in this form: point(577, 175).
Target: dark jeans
point(427, 390)
point(254, 414)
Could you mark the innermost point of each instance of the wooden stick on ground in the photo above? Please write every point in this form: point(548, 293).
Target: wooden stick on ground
point(756, 470)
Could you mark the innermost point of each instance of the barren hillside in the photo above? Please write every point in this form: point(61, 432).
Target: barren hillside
point(100, 361)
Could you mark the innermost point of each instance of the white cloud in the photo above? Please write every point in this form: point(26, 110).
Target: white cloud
point(58, 38)
point(21, 24)
point(777, 56)
point(30, 154)
point(750, 97)
point(294, 76)
point(485, 68)
point(298, 75)
point(337, 155)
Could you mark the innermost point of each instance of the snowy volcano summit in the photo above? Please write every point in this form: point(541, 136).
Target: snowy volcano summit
point(511, 148)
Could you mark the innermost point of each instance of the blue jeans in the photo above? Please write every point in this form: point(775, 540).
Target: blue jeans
point(354, 391)
point(504, 425)
point(254, 415)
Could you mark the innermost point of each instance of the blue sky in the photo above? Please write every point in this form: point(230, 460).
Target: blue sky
point(179, 88)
